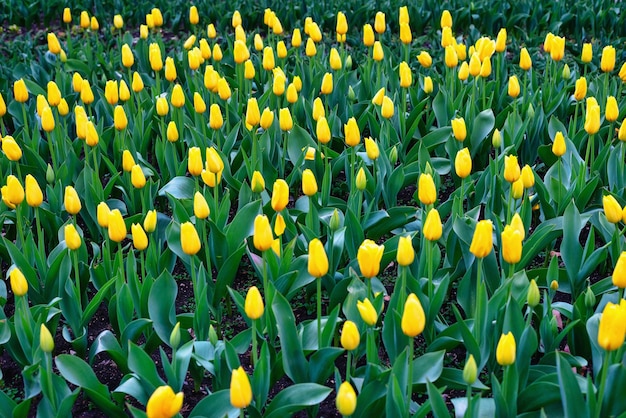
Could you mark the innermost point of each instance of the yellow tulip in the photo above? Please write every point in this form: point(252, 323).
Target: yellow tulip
point(92, 138)
point(446, 19)
point(557, 49)
point(249, 71)
point(413, 317)
point(240, 52)
point(216, 121)
point(406, 78)
point(426, 190)
point(371, 149)
point(118, 21)
point(150, 221)
point(367, 312)
point(369, 256)
point(46, 342)
point(350, 337)
point(513, 88)
point(194, 161)
point(528, 177)
point(11, 149)
point(482, 241)
point(428, 85)
point(592, 116)
point(164, 403)
point(512, 170)
point(425, 59)
point(154, 56)
point(459, 129)
point(612, 111)
point(285, 120)
point(20, 91)
point(378, 54)
point(140, 239)
point(525, 62)
point(405, 34)
point(253, 114)
point(84, 19)
point(505, 351)
point(102, 212)
point(67, 15)
point(607, 62)
point(612, 327)
point(612, 209)
point(200, 206)
point(587, 53)
point(361, 180)
point(447, 39)
point(117, 227)
point(558, 146)
point(19, 284)
point(137, 178)
point(387, 109)
point(368, 35)
point(72, 239)
point(309, 184)
point(296, 38)
point(120, 121)
point(511, 245)
point(279, 226)
point(450, 57)
point(342, 24)
point(346, 399)
point(406, 253)
point(189, 239)
point(327, 84)
point(137, 83)
point(71, 201)
point(619, 272)
point(170, 69)
point(267, 118)
point(280, 195)
point(262, 237)
point(379, 23)
point(93, 24)
point(161, 106)
point(580, 90)
point(463, 163)
point(178, 97)
point(127, 161)
point(34, 195)
point(432, 228)
point(322, 130)
point(501, 40)
point(240, 389)
point(253, 305)
point(318, 261)
point(352, 132)
point(194, 17)
point(310, 48)
point(53, 43)
point(257, 184)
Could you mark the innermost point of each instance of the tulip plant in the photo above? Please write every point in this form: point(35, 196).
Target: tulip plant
point(402, 223)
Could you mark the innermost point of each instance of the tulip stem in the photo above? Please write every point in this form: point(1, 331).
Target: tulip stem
point(410, 376)
point(429, 254)
point(26, 133)
point(558, 193)
point(348, 365)
point(78, 289)
point(468, 411)
point(255, 358)
point(119, 250)
point(369, 288)
point(20, 229)
point(39, 233)
point(319, 312)
point(52, 154)
point(603, 375)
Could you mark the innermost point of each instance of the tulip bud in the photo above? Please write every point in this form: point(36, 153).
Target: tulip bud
point(612, 111)
point(34, 195)
point(371, 149)
point(378, 54)
point(514, 88)
point(496, 139)
point(361, 180)
point(137, 83)
point(590, 298)
point(200, 206)
point(49, 174)
point(11, 149)
point(463, 163)
point(346, 399)
point(427, 192)
point(512, 170)
point(607, 62)
point(322, 130)
point(20, 91)
point(368, 35)
point(406, 253)
point(580, 90)
point(103, 211)
point(451, 59)
point(67, 15)
point(592, 116)
point(284, 118)
point(533, 295)
point(612, 209)
point(72, 239)
point(309, 184)
point(413, 317)
point(19, 284)
point(46, 342)
point(150, 221)
point(267, 118)
point(528, 177)
point(525, 62)
point(387, 109)
point(350, 337)
point(71, 201)
point(137, 178)
point(482, 241)
point(352, 132)
point(505, 351)
point(262, 237)
point(258, 183)
point(310, 49)
point(511, 245)
point(559, 147)
point(470, 371)
point(318, 261)
point(164, 402)
point(216, 121)
point(253, 305)
point(587, 53)
point(369, 257)
point(117, 227)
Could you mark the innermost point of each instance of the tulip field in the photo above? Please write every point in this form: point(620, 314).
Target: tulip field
point(333, 211)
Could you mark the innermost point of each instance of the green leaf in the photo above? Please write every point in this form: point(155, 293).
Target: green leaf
point(440, 409)
point(242, 225)
point(482, 126)
point(295, 398)
point(294, 362)
point(179, 187)
point(396, 398)
point(571, 396)
point(143, 366)
point(428, 367)
point(216, 405)
point(162, 305)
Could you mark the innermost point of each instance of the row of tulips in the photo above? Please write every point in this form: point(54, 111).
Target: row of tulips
point(189, 179)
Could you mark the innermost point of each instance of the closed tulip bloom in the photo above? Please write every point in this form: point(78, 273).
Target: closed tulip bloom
point(378, 54)
point(413, 317)
point(119, 118)
point(557, 49)
point(117, 227)
point(253, 305)
point(72, 239)
point(378, 97)
point(93, 24)
point(501, 40)
point(369, 256)
point(124, 92)
point(368, 35)
point(426, 190)
point(619, 273)
point(403, 15)
point(446, 19)
point(350, 337)
point(150, 221)
point(137, 178)
point(622, 73)
point(223, 89)
point(194, 18)
point(20, 92)
point(379, 23)
point(592, 116)
point(262, 237)
point(257, 184)
point(170, 69)
point(327, 84)
point(253, 114)
point(178, 97)
point(463, 163)
point(214, 162)
point(371, 148)
point(607, 62)
point(164, 403)
point(485, 68)
point(432, 228)
point(309, 184)
point(406, 253)
point(528, 177)
point(447, 39)
point(514, 88)
point(612, 327)
point(525, 62)
point(11, 149)
point(558, 146)
point(425, 59)
point(34, 195)
point(240, 389)
point(318, 261)
point(482, 241)
point(189, 239)
point(67, 15)
point(198, 103)
point(200, 206)
point(318, 109)
point(194, 161)
point(278, 86)
point(92, 137)
point(451, 59)
point(361, 180)
point(54, 94)
point(127, 161)
point(285, 120)
point(267, 118)
point(612, 209)
point(342, 24)
point(322, 130)
point(352, 132)
point(47, 119)
point(127, 56)
point(612, 111)
point(512, 170)
point(3, 105)
point(511, 245)
point(428, 85)
point(53, 43)
point(84, 19)
point(240, 52)
point(279, 226)
point(154, 56)
point(46, 342)
point(406, 77)
point(474, 65)
point(280, 195)
point(216, 121)
point(63, 107)
point(459, 129)
point(140, 239)
point(137, 83)
point(205, 49)
point(310, 48)
point(102, 212)
point(346, 399)
point(505, 351)
point(518, 224)
point(587, 53)
point(71, 201)
point(580, 91)
point(405, 33)
point(249, 71)
point(143, 30)
point(387, 109)
point(19, 284)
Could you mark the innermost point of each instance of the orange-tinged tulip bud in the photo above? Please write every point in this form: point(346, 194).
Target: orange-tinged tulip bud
point(262, 237)
point(607, 62)
point(117, 227)
point(71, 201)
point(413, 317)
point(369, 256)
point(426, 190)
point(240, 389)
point(103, 211)
point(19, 285)
point(164, 403)
point(406, 253)
point(318, 261)
point(482, 241)
point(253, 305)
point(558, 146)
point(350, 337)
point(505, 351)
point(216, 121)
point(72, 239)
point(432, 228)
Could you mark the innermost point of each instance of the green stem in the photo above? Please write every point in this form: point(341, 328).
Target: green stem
point(319, 312)
point(429, 252)
point(26, 133)
point(78, 289)
point(20, 228)
point(40, 244)
point(603, 375)
point(410, 376)
point(468, 411)
point(348, 366)
point(558, 193)
point(255, 358)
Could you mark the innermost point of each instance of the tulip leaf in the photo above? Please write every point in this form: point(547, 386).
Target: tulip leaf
point(428, 367)
point(295, 398)
point(395, 405)
point(216, 405)
point(440, 409)
point(294, 362)
point(483, 124)
point(569, 386)
point(242, 225)
point(298, 139)
point(140, 363)
point(181, 187)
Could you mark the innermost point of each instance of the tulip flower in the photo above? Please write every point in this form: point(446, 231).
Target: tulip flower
point(612, 209)
point(607, 62)
point(127, 161)
point(46, 342)
point(612, 327)
point(309, 184)
point(587, 53)
point(446, 19)
point(216, 121)
point(512, 170)
point(450, 57)
point(67, 15)
point(285, 120)
point(240, 389)
point(120, 121)
point(11, 149)
point(592, 116)
point(178, 97)
point(341, 26)
point(513, 88)
point(267, 118)
point(405, 33)
point(253, 305)
point(200, 206)
point(19, 284)
point(150, 221)
point(612, 111)
point(249, 71)
point(310, 48)
point(361, 180)
point(140, 239)
point(262, 236)
point(459, 129)
point(350, 337)
point(164, 403)
point(505, 351)
point(352, 132)
point(102, 212)
point(482, 241)
point(322, 131)
point(367, 312)
point(432, 228)
point(413, 317)
point(619, 272)
point(253, 115)
point(369, 256)
point(528, 177)
point(327, 84)
point(557, 48)
point(525, 62)
point(240, 52)
point(474, 65)
point(199, 106)
point(72, 239)
point(194, 161)
point(368, 35)
point(463, 163)
point(378, 54)
point(425, 59)
point(71, 201)
point(580, 90)
point(318, 261)
point(296, 38)
point(137, 83)
point(387, 109)
point(257, 184)
point(558, 146)
point(511, 245)
point(379, 97)
point(371, 149)
point(406, 253)
point(189, 239)
point(406, 78)
point(426, 190)
point(34, 195)
point(20, 91)
point(137, 178)
point(428, 85)
point(346, 399)
point(117, 227)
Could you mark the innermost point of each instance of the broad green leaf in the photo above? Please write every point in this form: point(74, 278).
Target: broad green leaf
point(295, 398)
